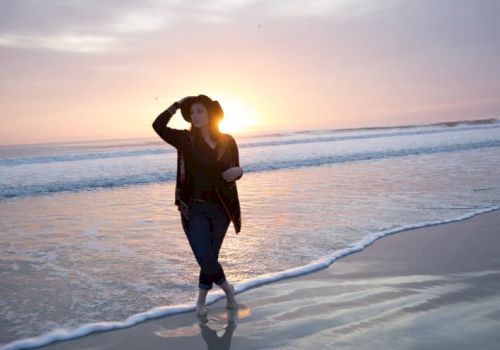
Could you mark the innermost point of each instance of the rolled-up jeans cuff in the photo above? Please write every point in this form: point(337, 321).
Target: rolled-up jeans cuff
point(220, 281)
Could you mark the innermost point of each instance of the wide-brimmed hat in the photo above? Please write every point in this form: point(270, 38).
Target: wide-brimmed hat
point(213, 107)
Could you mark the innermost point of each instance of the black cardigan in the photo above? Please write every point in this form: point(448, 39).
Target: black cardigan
point(228, 156)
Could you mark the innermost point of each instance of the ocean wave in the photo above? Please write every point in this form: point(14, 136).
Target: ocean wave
point(7, 191)
point(158, 149)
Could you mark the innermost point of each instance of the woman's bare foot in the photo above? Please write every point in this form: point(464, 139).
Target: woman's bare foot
point(201, 310)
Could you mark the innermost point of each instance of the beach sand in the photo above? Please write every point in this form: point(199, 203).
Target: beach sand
point(436, 287)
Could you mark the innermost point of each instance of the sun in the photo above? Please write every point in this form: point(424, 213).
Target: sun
point(238, 116)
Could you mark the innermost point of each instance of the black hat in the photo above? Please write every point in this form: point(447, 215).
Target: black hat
point(213, 107)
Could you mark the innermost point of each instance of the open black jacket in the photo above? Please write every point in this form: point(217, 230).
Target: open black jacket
point(227, 157)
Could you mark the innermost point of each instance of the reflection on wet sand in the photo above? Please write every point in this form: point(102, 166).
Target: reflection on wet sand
point(216, 328)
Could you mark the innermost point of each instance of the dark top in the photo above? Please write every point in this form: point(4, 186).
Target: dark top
point(204, 169)
point(182, 141)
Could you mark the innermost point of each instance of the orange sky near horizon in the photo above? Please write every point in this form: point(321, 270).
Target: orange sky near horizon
point(273, 66)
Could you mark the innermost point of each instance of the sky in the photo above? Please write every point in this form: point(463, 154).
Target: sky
point(83, 69)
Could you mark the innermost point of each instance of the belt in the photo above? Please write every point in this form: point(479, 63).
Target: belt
point(206, 196)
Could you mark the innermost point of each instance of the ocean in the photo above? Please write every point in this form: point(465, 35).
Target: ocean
point(90, 238)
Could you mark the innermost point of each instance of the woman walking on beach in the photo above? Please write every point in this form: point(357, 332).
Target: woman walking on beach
point(206, 193)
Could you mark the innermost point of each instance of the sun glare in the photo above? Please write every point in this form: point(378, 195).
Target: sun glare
point(238, 116)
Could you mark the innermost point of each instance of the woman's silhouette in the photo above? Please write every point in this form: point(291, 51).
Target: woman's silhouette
point(206, 193)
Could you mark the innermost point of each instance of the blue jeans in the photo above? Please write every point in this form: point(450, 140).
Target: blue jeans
point(207, 226)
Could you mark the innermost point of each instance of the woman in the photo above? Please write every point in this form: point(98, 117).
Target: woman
point(206, 193)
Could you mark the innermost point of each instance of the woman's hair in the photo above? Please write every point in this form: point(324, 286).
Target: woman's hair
point(213, 126)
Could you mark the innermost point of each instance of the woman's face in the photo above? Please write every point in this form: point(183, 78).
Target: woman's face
point(199, 115)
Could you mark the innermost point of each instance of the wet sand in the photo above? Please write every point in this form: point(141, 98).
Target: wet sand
point(436, 287)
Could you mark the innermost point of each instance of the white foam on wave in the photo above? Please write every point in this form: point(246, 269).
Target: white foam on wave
point(321, 263)
point(104, 174)
point(113, 181)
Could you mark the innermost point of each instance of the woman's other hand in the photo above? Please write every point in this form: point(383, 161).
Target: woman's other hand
point(232, 174)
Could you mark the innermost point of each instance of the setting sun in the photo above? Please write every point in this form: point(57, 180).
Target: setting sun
point(238, 116)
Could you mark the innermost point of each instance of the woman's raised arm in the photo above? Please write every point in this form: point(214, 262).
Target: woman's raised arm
point(169, 135)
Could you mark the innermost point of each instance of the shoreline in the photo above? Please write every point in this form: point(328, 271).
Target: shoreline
point(183, 331)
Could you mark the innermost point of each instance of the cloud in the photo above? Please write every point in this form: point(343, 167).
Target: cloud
point(73, 43)
point(93, 26)
point(330, 8)
point(78, 26)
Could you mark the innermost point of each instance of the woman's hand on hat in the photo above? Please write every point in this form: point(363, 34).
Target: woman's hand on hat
point(176, 105)
point(232, 174)
point(182, 100)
